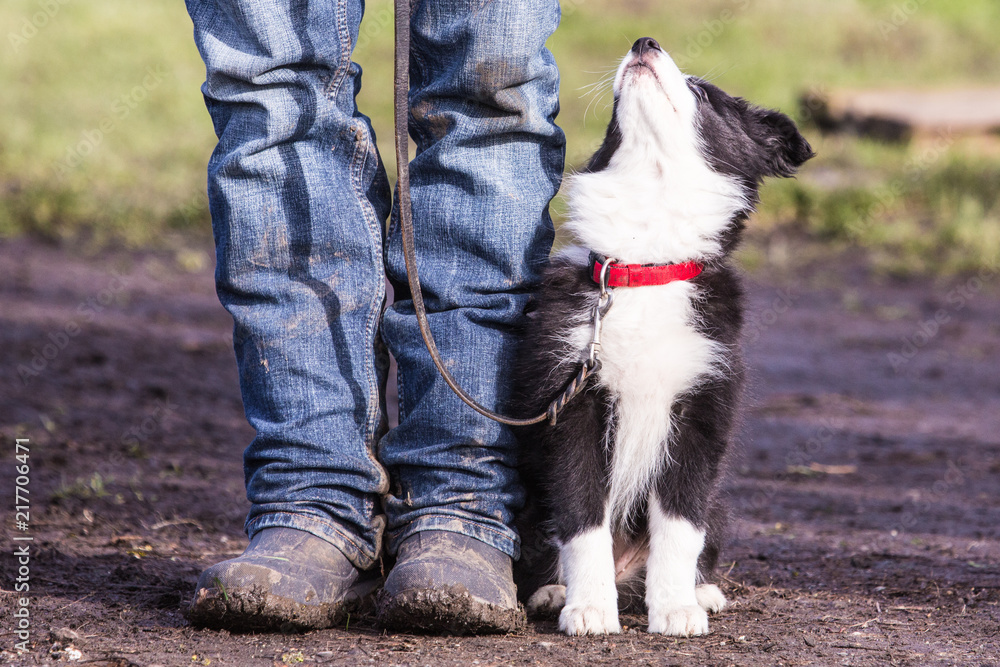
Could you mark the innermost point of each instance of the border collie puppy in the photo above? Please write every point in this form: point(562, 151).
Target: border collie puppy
point(624, 487)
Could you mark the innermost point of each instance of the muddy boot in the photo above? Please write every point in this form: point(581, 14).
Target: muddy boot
point(447, 582)
point(285, 580)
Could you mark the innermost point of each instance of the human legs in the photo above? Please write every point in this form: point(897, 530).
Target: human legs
point(484, 94)
point(483, 98)
point(298, 197)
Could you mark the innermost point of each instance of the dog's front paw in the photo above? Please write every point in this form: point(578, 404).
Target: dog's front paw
point(710, 598)
point(547, 600)
point(588, 620)
point(679, 621)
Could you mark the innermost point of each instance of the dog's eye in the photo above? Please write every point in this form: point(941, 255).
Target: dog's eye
point(698, 91)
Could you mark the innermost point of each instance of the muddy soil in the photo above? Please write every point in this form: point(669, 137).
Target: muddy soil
point(867, 526)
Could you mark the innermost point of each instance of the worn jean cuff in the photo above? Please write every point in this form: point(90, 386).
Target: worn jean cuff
point(507, 542)
point(321, 527)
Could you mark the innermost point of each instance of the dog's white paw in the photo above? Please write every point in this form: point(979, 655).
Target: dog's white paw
point(547, 600)
point(588, 620)
point(679, 621)
point(710, 598)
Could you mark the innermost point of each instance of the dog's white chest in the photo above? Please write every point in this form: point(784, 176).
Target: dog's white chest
point(651, 354)
point(649, 342)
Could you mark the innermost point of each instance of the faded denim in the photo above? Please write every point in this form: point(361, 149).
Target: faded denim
point(299, 197)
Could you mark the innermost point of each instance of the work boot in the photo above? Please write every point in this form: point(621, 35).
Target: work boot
point(447, 582)
point(285, 580)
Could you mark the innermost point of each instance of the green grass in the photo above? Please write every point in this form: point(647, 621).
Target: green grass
point(83, 489)
point(142, 173)
point(140, 181)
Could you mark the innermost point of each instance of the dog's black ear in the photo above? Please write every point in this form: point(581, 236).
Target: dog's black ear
point(787, 149)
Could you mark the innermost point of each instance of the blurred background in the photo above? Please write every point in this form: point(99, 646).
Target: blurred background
point(105, 137)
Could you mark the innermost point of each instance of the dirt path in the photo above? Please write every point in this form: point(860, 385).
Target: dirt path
point(869, 517)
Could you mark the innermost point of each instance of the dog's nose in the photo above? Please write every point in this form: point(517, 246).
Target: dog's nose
point(644, 44)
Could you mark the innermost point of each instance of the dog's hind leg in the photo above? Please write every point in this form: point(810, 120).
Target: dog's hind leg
point(547, 600)
point(710, 598)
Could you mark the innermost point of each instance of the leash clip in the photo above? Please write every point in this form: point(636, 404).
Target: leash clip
point(593, 362)
point(601, 308)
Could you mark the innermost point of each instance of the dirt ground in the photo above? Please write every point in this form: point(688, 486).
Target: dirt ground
point(866, 489)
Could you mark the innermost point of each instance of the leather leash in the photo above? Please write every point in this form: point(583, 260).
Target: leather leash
point(401, 88)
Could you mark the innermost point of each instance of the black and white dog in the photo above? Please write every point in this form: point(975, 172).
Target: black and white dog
point(625, 485)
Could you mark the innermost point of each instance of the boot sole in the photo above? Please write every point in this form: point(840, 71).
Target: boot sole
point(258, 610)
point(451, 610)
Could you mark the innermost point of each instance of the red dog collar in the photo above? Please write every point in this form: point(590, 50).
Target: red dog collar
point(642, 275)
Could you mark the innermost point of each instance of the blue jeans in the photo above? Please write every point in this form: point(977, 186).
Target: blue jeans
point(299, 198)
